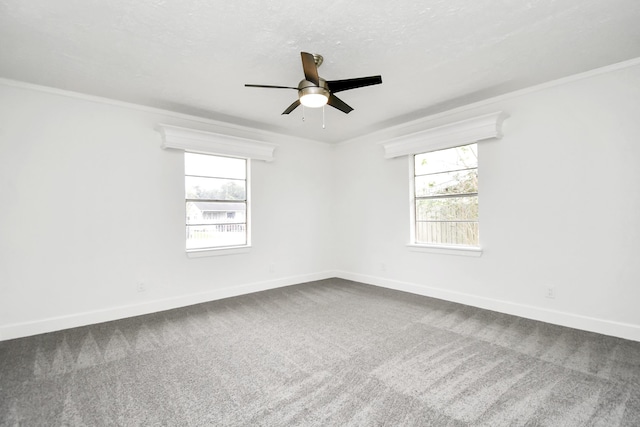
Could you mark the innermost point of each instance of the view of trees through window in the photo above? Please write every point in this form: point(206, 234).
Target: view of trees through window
point(446, 196)
point(216, 201)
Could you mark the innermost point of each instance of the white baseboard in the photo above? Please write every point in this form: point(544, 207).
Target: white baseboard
point(585, 323)
point(24, 329)
point(601, 326)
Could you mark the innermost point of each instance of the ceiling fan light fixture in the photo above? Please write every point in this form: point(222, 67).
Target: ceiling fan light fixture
point(314, 97)
point(313, 100)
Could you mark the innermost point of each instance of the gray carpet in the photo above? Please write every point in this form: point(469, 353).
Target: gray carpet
point(328, 353)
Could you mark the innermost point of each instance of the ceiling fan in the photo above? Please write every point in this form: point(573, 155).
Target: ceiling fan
point(315, 91)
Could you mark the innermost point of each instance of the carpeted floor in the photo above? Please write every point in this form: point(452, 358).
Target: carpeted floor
point(328, 353)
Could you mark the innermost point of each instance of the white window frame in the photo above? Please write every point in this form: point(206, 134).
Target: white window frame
point(204, 142)
point(467, 250)
point(468, 131)
point(229, 249)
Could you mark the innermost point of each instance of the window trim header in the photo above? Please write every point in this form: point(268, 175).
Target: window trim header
point(203, 142)
point(447, 136)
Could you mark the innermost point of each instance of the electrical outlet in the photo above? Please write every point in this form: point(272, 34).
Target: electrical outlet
point(272, 268)
point(141, 287)
point(550, 292)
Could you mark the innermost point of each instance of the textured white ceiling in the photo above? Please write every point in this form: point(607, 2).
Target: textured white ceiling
point(194, 56)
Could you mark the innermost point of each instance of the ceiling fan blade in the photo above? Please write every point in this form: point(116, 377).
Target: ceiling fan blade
point(336, 102)
point(310, 68)
point(292, 107)
point(272, 87)
point(340, 85)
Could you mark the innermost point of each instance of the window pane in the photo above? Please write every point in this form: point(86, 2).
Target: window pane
point(442, 214)
point(216, 166)
point(458, 182)
point(223, 222)
point(448, 233)
point(215, 213)
point(215, 188)
point(209, 236)
point(447, 209)
point(464, 157)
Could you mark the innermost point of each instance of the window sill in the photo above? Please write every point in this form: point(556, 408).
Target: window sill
point(202, 253)
point(446, 250)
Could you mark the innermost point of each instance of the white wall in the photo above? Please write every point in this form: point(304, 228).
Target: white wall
point(559, 206)
point(91, 205)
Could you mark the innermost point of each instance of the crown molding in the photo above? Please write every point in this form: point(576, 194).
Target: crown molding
point(219, 126)
point(383, 135)
point(375, 136)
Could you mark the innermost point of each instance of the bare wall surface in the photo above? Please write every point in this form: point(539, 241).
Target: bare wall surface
point(558, 208)
point(93, 207)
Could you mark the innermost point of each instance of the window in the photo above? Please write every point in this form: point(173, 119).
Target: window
point(216, 196)
point(445, 197)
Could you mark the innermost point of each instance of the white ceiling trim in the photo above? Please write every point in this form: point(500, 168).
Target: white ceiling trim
point(378, 136)
point(383, 135)
point(451, 135)
point(199, 141)
point(220, 126)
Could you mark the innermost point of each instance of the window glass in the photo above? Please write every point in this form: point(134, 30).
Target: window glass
point(445, 187)
point(216, 201)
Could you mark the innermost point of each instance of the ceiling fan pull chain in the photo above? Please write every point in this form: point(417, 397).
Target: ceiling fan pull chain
point(303, 113)
point(323, 117)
